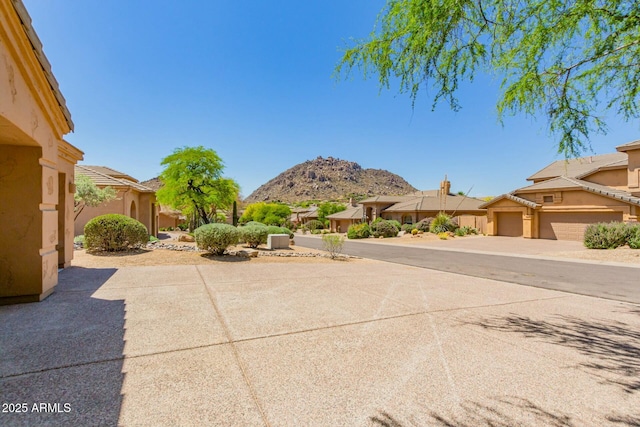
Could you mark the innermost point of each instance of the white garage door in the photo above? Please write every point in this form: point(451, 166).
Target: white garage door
point(571, 226)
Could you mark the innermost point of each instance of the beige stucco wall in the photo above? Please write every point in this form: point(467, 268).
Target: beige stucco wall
point(144, 211)
point(32, 208)
point(616, 178)
point(633, 172)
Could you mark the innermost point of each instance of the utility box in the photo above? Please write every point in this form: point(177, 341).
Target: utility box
point(278, 241)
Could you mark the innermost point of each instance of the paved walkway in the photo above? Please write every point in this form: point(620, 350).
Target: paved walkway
point(340, 344)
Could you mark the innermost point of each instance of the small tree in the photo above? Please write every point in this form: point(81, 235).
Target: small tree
point(333, 244)
point(234, 217)
point(193, 183)
point(328, 208)
point(266, 213)
point(88, 194)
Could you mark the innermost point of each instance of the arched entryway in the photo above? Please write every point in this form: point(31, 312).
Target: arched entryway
point(133, 212)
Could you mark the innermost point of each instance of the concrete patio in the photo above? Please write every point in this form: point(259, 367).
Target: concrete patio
point(344, 343)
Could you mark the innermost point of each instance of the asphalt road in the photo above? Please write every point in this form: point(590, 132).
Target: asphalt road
point(604, 281)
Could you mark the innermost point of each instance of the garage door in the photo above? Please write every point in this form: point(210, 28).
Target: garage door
point(571, 226)
point(510, 224)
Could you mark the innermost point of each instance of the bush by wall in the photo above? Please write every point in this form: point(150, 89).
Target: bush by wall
point(272, 229)
point(216, 238)
point(114, 232)
point(358, 231)
point(384, 229)
point(442, 223)
point(253, 235)
point(606, 235)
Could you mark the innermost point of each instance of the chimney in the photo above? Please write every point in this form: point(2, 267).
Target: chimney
point(445, 187)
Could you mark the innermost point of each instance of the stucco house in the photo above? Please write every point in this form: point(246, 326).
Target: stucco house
point(167, 217)
point(411, 208)
point(36, 164)
point(568, 195)
point(133, 199)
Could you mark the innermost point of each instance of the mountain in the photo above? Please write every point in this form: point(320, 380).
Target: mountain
point(329, 179)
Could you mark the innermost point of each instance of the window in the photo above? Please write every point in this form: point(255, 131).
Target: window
point(547, 199)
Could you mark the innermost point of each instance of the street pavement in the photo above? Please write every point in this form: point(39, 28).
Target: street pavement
point(616, 282)
point(344, 343)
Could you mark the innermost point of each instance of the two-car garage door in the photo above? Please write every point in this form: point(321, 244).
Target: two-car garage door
point(571, 226)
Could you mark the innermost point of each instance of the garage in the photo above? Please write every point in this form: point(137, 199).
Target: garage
point(571, 226)
point(509, 224)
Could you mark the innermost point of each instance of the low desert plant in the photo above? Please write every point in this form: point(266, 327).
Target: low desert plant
point(396, 223)
point(606, 235)
point(443, 235)
point(153, 238)
point(384, 229)
point(441, 224)
point(333, 243)
point(272, 229)
point(79, 240)
point(254, 235)
point(415, 231)
point(465, 231)
point(358, 231)
point(114, 232)
point(633, 239)
point(216, 238)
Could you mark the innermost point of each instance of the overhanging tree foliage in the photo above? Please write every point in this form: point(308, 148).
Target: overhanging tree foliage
point(88, 194)
point(193, 183)
point(572, 60)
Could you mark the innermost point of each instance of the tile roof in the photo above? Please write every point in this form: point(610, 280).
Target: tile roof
point(512, 197)
point(431, 203)
point(629, 146)
point(111, 172)
point(354, 212)
point(582, 166)
point(387, 199)
point(104, 180)
point(564, 182)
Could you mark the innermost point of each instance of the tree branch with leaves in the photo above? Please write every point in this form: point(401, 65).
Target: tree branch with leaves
point(88, 194)
point(569, 60)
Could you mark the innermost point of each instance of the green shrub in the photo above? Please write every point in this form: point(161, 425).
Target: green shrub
point(114, 232)
point(333, 244)
point(256, 223)
point(465, 231)
point(396, 223)
point(216, 238)
point(415, 231)
point(272, 229)
point(153, 238)
point(423, 224)
point(183, 226)
point(606, 235)
point(79, 239)
point(254, 235)
point(633, 239)
point(384, 229)
point(407, 228)
point(359, 231)
point(314, 224)
point(441, 224)
point(316, 231)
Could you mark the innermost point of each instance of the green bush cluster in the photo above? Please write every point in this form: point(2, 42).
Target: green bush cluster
point(407, 227)
point(442, 223)
point(465, 231)
point(314, 224)
point(333, 244)
point(114, 232)
point(359, 231)
point(254, 235)
point(396, 223)
point(611, 235)
point(272, 229)
point(423, 225)
point(384, 228)
point(216, 238)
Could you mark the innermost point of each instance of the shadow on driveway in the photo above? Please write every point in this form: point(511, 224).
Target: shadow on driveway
point(63, 357)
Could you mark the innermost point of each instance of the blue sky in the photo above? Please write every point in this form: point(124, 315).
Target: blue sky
point(253, 81)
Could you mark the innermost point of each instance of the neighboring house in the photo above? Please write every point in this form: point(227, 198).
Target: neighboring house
point(167, 217)
point(301, 216)
point(568, 195)
point(411, 208)
point(133, 199)
point(36, 164)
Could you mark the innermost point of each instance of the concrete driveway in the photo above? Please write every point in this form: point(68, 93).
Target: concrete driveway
point(338, 344)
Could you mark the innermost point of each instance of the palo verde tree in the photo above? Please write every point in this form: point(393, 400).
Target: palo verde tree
point(193, 183)
point(88, 194)
point(571, 60)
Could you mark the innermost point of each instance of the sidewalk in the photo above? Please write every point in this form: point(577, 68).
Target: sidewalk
point(345, 343)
